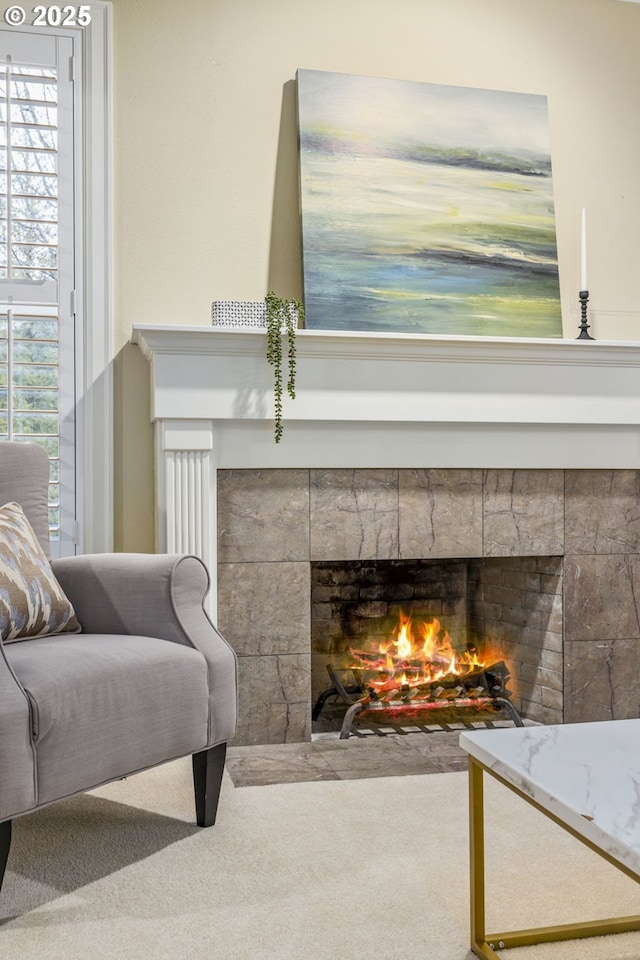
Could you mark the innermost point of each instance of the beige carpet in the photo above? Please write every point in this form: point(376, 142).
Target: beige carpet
point(301, 871)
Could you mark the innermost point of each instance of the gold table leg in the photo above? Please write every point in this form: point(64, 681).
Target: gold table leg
point(485, 945)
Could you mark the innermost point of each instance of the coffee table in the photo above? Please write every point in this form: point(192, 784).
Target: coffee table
point(583, 776)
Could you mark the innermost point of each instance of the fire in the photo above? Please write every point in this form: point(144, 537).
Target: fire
point(416, 655)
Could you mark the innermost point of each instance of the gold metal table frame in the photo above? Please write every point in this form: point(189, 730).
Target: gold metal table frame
point(485, 945)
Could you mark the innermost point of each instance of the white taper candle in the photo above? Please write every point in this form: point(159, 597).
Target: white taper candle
point(583, 252)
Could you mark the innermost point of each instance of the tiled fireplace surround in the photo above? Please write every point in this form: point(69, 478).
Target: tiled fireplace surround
point(273, 523)
point(400, 448)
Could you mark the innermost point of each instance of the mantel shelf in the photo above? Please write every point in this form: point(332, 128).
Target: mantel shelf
point(363, 345)
point(380, 400)
point(223, 376)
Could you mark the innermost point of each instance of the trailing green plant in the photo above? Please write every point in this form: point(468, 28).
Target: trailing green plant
point(283, 315)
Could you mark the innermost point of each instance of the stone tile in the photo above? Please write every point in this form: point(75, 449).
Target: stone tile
point(440, 513)
point(601, 511)
point(354, 514)
point(601, 597)
point(263, 515)
point(274, 700)
point(441, 746)
point(277, 763)
point(450, 765)
point(602, 680)
point(357, 758)
point(414, 765)
point(523, 512)
point(265, 607)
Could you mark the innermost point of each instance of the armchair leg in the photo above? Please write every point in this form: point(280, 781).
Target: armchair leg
point(208, 767)
point(5, 843)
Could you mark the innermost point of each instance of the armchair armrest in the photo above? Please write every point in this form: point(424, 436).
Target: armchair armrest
point(144, 594)
point(154, 595)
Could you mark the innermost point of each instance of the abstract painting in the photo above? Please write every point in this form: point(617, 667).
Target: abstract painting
point(426, 208)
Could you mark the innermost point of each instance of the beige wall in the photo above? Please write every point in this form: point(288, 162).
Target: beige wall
point(206, 202)
point(205, 131)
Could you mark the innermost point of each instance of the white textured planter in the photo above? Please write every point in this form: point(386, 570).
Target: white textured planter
point(243, 315)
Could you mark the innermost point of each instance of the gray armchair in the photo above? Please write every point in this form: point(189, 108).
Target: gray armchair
point(148, 679)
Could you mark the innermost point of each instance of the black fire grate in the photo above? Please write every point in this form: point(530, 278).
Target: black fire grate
point(481, 693)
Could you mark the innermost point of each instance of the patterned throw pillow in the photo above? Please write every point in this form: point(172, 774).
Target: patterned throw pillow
point(32, 602)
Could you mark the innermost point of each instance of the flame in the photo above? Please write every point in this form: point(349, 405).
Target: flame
point(416, 656)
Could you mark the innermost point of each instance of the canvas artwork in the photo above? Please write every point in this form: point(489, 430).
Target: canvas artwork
point(426, 208)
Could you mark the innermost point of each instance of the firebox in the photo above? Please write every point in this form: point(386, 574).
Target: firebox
point(421, 641)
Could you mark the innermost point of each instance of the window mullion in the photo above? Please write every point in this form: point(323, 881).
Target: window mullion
point(8, 173)
point(10, 374)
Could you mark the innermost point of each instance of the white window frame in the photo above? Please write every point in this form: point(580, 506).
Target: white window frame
point(94, 346)
point(95, 394)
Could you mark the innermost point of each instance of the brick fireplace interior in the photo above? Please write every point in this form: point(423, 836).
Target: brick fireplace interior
point(545, 561)
point(507, 608)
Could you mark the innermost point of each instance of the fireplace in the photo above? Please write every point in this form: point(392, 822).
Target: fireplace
point(409, 448)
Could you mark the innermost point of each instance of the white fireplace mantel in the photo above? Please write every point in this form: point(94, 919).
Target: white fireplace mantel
point(378, 400)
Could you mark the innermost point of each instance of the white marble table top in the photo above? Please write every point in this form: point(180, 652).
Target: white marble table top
point(586, 774)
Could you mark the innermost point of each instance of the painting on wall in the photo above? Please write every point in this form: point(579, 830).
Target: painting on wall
point(426, 208)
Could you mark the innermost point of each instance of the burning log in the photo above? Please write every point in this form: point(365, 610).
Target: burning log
point(416, 656)
point(453, 693)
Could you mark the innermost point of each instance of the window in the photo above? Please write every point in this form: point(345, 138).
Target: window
point(37, 252)
point(55, 332)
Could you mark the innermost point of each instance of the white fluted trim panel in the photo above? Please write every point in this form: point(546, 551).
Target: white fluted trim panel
point(187, 476)
point(186, 502)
